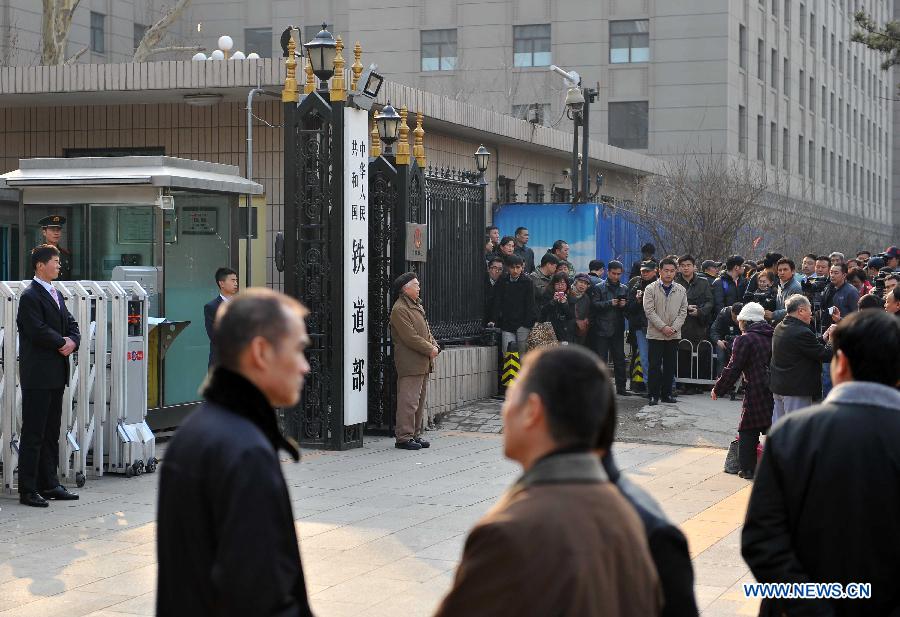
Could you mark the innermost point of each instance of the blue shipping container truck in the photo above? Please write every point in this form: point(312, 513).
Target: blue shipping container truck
point(591, 230)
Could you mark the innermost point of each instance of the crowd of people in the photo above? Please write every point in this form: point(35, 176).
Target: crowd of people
point(760, 329)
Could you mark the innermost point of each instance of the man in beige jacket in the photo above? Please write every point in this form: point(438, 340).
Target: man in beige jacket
point(414, 352)
point(665, 304)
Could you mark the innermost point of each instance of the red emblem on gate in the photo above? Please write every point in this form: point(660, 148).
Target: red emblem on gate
point(417, 238)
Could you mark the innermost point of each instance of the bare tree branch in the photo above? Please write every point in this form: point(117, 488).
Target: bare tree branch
point(155, 33)
point(74, 58)
point(173, 48)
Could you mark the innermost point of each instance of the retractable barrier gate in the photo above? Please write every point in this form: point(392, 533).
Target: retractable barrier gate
point(103, 426)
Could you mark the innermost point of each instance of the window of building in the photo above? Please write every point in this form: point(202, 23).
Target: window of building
point(840, 171)
point(812, 94)
point(629, 41)
point(773, 78)
point(812, 160)
point(760, 139)
point(831, 169)
point(535, 193)
point(98, 33)
point(824, 103)
point(773, 144)
point(824, 162)
point(258, 40)
point(438, 50)
point(139, 31)
point(506, 190)
point(560, 195)
point(531, 45)
point(831, 110)
point(775, 8)
point(802, 87)
point(801, 155)
point(786, 74)
point(761, 60)
point(787, 14)
point(812, 29)
point(785, 150)
point(802, 21)
point(628, 125)
point(742, 129)
point(831, 47)
point(841, 56)
point(742, 46)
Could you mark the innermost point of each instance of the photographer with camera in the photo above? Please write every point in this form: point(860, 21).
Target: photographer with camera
point(892, 258)
point(556, 308)
point(884, 281)
point(607, 333)
point(764, 295)
point(723, 332)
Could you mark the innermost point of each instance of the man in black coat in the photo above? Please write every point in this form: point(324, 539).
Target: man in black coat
point(668, 546)
point(227, 282)
point(607, 331)
point(825, 507)
point(226, 540)
point(48, 335)
point(730, 286)
point(795, 372)
point(491, 278)
point(514, 305)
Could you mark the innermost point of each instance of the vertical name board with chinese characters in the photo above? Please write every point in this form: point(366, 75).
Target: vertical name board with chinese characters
point(356, 262)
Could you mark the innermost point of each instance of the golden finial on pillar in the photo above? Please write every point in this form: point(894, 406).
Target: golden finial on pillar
point(419, 140)
point(402, 156)
point(338, 85)
point(310, 85)
point(357, 67)
point(290, 93)
point(375, 146)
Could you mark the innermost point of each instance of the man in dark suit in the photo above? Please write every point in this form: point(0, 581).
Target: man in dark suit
point(562, 540)
point(227, 282)
point(668, 546)
point(825, 506)
point(47, 337)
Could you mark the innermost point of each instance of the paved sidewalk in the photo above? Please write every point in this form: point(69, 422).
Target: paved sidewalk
point(381, 529)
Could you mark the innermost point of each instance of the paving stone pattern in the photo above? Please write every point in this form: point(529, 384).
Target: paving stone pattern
point(381, 529)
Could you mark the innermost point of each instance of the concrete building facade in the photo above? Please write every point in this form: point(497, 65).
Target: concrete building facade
point(775, 83)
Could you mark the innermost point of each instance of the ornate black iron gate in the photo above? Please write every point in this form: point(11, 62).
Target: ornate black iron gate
point(453, 205)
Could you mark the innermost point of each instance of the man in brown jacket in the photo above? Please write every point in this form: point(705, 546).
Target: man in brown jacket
point(414, 351)
point(562, 541)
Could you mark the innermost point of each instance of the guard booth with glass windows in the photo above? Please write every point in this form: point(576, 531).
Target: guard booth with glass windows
point(165, 222)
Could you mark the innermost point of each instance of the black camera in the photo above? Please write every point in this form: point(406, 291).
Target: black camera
point(765, 298)
point(814, 285)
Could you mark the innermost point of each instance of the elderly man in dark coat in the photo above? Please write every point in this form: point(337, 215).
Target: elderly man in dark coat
point(562, 541)
point(750, 356)
point(825, 507)
point(226, 540)
point(414, 353)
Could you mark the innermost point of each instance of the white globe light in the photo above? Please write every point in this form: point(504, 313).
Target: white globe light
point(226, 43)
point(210, 58)
point(238, 55)
point(253, 56)
point(217, 55)
point(199, 56)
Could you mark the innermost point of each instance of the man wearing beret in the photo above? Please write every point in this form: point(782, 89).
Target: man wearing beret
point(51, 230)
point(414, 352)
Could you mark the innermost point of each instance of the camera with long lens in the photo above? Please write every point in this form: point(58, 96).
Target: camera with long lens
point(765, 298)
point(814, 285)
point(880, 279)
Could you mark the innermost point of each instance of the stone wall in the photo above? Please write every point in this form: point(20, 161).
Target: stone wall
point(461, 376)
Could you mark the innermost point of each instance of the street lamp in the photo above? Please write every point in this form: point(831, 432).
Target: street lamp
point(321, 52)
point(482, 156)
point(578, 107)
point(388, 123)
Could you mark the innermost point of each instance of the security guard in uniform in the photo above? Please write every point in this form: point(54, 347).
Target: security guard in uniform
point(51, 230)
